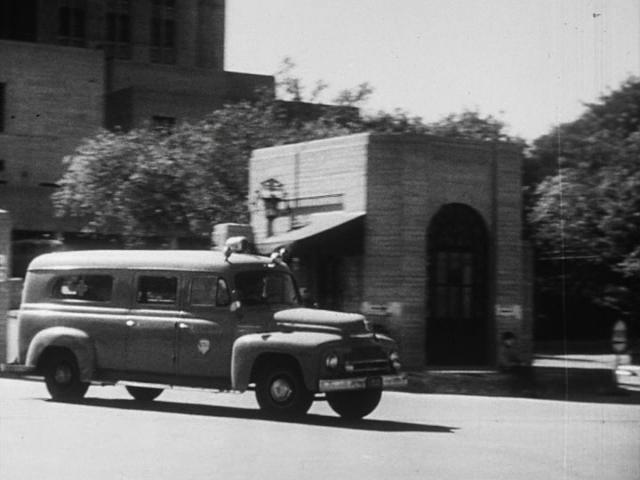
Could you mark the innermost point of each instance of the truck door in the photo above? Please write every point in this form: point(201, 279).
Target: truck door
point(206, 329)
point(152, 324)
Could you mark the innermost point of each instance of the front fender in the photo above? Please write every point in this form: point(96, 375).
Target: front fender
point(302, 346)
point(77, 341)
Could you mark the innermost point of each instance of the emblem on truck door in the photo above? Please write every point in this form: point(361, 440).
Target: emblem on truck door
point(203, 346)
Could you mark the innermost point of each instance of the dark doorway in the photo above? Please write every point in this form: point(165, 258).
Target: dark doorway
point(457, 296)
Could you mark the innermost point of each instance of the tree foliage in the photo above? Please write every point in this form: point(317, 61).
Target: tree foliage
point(587, 212)
point(177, 183)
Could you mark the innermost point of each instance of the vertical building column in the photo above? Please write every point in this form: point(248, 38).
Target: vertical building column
point(210, 34)
point(5, 249)
point(140, 30)
point(510, 302)
point(187, 32)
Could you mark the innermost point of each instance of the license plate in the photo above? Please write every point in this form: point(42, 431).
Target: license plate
point(374, 382)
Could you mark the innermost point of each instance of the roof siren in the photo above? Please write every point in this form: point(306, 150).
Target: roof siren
point(236, 245)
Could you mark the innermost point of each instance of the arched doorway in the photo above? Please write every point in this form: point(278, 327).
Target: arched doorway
point(457, 296)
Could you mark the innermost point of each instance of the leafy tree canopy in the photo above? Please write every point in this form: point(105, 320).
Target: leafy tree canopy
point(588, 213)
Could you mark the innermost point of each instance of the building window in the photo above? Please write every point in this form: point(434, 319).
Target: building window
point(18, 20)
point(118, 29)
point(160, 122)
point(163, 31)
point(71, 23)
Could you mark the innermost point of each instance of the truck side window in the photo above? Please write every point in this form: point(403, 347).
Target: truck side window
point(223, 298)
point(93, 288)
point(209, 291)
point(157, 290)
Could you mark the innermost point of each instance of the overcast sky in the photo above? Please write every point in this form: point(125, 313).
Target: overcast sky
point(531, 63)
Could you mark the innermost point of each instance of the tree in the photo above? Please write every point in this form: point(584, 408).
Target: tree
point(585, 217)
point(177, 183)
point(471, 124)
point(146, 182)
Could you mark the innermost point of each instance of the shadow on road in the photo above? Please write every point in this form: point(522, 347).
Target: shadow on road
point(250, 414)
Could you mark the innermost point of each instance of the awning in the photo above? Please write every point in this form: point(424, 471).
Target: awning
point(317, 224)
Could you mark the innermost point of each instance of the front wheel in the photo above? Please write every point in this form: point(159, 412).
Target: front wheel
point(281, 390)
point(354, 405)
point(62, 377)
point(144, 394)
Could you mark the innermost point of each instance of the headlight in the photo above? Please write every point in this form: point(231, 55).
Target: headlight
point(394, 358)
point(332, 361)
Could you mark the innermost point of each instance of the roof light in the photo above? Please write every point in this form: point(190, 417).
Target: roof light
point(236, 245)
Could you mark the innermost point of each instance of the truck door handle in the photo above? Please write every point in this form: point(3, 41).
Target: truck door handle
point(131, 323)
point(183, 326)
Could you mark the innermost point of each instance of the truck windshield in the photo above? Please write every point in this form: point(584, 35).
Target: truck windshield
point(266, 287)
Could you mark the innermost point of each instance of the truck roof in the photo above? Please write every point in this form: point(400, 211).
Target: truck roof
point(203, 260)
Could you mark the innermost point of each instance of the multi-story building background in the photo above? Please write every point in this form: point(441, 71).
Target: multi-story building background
point(71, 67)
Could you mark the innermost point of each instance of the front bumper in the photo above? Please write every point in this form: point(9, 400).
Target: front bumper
point(362, 383)
point(628, 377)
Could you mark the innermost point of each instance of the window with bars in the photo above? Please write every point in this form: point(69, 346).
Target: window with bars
point(163, 31)
point(118, 29)
point(72, 23)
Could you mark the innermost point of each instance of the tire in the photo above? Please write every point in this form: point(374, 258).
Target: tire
point(62, 377)
point(280, 390)
point(144, 394)
point(354, 405)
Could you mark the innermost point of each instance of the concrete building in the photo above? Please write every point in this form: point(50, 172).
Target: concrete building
point(71, 67)
point(422, 234)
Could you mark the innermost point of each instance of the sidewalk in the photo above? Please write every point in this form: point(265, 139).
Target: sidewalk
point(564, 377)
point(586, 378)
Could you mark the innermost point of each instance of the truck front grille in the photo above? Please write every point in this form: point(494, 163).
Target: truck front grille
point(367, 360)
point(367, 366)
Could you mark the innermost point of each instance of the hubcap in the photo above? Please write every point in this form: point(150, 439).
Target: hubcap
point(281, 390)
point(63, 374)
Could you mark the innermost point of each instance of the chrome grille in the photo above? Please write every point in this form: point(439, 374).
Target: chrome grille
point(367, 360)
point(368, 366)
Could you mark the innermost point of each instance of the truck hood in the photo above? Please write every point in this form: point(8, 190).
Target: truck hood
point(302, 318)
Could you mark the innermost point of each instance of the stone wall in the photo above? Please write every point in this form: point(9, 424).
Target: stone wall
point(53, 99)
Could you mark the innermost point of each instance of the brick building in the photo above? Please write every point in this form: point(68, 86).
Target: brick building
point(420, 233)
point(70, 67)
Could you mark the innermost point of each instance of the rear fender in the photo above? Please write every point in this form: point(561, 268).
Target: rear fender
point(77, 341)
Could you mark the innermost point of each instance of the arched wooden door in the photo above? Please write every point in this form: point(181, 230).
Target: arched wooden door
point(457, 296)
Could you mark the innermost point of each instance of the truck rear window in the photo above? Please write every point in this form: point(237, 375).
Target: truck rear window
point(95, 288)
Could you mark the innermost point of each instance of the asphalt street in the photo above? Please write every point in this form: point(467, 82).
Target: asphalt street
point(201, 435)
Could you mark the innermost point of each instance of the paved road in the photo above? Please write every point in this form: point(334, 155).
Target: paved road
point(199, 435)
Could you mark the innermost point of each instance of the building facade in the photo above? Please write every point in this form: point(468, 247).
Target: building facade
point(71, 67)
point(421, 234)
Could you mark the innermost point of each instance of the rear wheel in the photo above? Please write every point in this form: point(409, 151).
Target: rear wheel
point(354, 405)
point(280, 390)
point(62, 376)
point(144, 394)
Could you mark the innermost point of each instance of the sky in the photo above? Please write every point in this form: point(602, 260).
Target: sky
point(531, 63)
